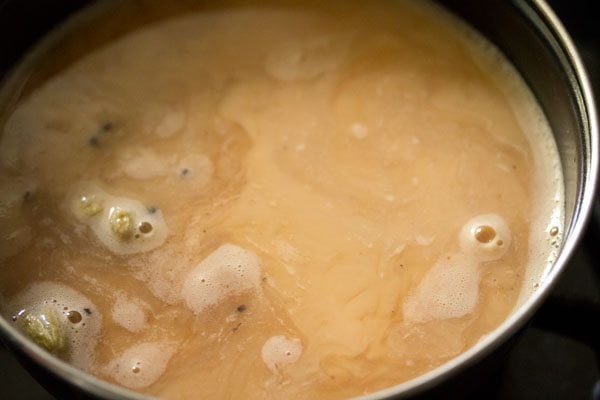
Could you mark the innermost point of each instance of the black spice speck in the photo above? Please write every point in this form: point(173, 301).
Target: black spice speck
point(27, 196)
point(241, 308)
point(107, 127)
point(87, 311)
point(94, 141)
point(104, 129)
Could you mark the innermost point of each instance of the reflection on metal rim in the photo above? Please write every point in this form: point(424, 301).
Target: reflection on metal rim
point(541, 16)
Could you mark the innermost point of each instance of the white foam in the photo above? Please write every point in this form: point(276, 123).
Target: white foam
point(490, 250)
point(100, 223)
point(227, 271)
point(129, 314)
point(279, 351)
point(141, 365)
point(449, 290)
point(82, 336)
point(548, 181)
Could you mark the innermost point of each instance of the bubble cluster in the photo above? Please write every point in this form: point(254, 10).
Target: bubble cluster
point(141, 365)
point(485, 237)
point(451, 288)
point(78, 319)
point(227, 271)
point(123, 225)
point(279, 351)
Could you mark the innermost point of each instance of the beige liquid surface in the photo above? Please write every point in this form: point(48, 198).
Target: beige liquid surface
point(335, 200)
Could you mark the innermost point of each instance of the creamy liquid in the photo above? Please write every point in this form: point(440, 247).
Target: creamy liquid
point(277, 202)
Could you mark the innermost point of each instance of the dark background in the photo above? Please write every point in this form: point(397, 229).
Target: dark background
point(557, 357)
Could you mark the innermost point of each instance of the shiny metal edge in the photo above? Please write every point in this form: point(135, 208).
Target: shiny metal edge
point(103, 389)
point(581, 215)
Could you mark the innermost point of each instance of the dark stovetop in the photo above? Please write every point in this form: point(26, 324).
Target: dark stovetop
point(558, 356)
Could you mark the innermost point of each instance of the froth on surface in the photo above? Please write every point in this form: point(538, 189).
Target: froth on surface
point(227, 271)
point(548, 192)
point(141, 365)
point(279, 351)
point(489, 250)
point(100, 223)
point(81, 336)
point(449, 290)
point(346, 157)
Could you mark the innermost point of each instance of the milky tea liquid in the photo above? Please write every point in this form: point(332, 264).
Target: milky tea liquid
point(275, 201)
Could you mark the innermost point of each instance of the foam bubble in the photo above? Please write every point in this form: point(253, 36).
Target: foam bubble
point(227, 271)
point(141, 365)
point(487, 237)
point(279, 351)
point(129, 314)
point(148, 228)
point(81, 333)
point(449, 290)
